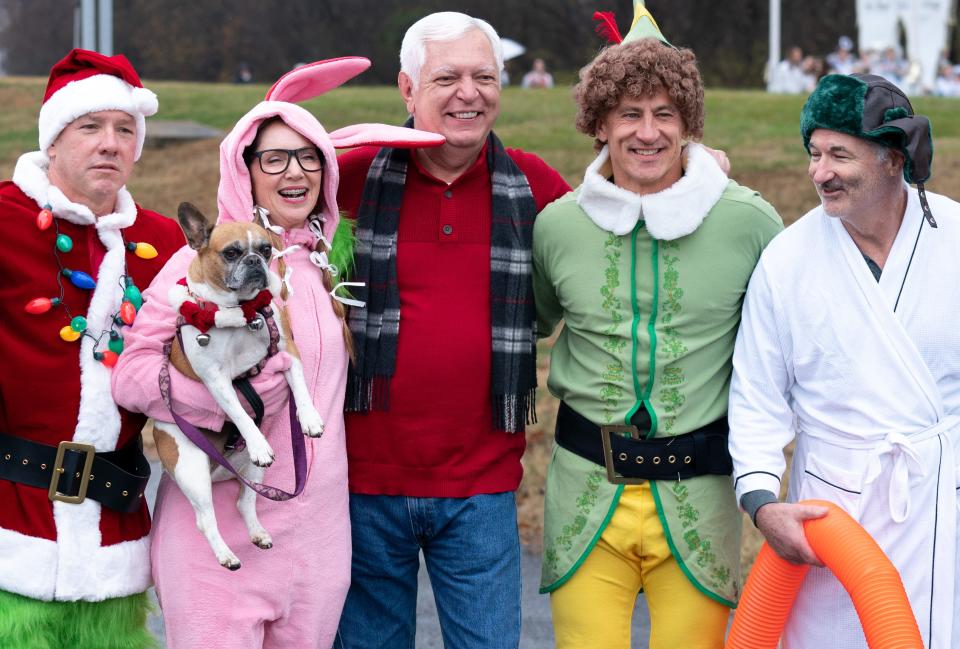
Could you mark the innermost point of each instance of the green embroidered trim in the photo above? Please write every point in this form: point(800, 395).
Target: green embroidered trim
point(673, 377)
point(612, 392)
point(585, 503)
point(652, 330)
point(702, 548)
point(716, 572)
point(635, 325)
point(550, 554)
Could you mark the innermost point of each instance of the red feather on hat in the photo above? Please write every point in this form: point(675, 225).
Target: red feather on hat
point(607, 26)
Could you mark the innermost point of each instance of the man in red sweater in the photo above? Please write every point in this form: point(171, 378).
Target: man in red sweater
point(445, 350)
point(74, 545)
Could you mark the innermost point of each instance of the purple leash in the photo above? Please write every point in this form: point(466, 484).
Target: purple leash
point(204, 444)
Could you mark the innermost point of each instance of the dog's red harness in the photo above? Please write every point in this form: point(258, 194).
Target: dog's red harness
point(202, 315)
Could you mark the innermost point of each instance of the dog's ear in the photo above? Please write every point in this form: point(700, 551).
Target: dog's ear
point(195, 226)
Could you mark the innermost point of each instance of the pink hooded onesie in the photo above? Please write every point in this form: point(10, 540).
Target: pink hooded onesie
point(290, 595)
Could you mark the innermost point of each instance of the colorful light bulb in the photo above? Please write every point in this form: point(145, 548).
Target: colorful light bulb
point(127, 312)
point(64, 243)
point(142, 249)
point(107, 358)
point(41, 304)
point(45, 218)
point(132, 293)
point(79, 279)
point(79, 324)
point(68, 334)
point(116, 343)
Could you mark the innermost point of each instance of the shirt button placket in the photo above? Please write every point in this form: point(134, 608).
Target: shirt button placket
point(446, 215)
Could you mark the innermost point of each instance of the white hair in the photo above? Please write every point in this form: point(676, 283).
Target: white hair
point(442, 26)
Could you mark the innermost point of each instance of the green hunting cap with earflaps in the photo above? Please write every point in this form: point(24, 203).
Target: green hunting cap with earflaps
point(870, 107)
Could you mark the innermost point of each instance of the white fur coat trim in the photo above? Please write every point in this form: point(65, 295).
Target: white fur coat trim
point(98, 421)
point(670, 214)
point(77, 567)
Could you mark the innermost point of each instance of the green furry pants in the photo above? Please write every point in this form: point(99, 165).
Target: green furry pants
point(111, 624)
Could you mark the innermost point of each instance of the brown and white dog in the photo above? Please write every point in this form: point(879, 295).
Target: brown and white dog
point(231, 267)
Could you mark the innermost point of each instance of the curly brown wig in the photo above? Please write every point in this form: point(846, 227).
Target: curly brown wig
point(639, 69)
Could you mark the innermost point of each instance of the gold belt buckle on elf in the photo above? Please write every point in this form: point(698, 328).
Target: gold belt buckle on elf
point(88, 450)
point(612, 476)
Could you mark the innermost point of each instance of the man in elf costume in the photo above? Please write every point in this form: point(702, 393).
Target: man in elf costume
point(74, 560)
point(850, 344)
point(647, 263)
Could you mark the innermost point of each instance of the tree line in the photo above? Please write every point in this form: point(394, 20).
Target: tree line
point(208, 41)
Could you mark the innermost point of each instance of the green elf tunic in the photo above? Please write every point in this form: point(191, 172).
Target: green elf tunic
point(650, 289)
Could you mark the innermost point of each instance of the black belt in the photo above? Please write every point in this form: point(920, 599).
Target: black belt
point(630, 460)
point(73, 472)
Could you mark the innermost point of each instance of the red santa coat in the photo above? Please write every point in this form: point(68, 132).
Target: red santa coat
point(52, 390)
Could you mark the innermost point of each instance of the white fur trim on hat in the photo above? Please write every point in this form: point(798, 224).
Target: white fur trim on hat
point(96, 93)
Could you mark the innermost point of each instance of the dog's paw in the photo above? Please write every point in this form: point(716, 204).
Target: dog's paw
point(230, 562)
point(262, 540)
point(261, 454)
point(311, 422)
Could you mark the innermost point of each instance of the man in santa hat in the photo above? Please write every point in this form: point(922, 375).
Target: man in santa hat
point(74, 560)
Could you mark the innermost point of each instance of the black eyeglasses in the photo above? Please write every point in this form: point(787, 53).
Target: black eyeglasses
point(276, 161)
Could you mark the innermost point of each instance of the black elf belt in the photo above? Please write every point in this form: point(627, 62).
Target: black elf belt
point(73, 472)
point(632, 460)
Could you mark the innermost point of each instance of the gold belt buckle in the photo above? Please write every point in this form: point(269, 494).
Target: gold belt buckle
point(58, 470)
point(612, 476)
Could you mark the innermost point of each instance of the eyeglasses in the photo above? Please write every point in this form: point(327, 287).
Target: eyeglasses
point(276, 161)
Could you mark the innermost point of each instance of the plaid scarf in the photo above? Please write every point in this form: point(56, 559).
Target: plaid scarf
point(513, 379)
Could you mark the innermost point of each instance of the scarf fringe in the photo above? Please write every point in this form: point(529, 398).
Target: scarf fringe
point(364, 395)
point(513, 412)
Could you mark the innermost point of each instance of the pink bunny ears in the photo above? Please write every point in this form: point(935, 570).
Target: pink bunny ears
point(314, 79)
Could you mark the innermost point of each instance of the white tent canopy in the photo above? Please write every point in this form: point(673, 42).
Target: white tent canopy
point(511, 49)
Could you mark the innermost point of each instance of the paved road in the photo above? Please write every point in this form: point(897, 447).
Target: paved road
point(536, 632)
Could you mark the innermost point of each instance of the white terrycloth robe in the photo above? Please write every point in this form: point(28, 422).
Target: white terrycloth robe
point(873, 397)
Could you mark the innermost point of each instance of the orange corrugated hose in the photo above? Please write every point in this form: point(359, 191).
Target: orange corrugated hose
point(858, 563)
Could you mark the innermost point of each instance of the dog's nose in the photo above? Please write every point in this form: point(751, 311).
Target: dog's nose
point(251, 260)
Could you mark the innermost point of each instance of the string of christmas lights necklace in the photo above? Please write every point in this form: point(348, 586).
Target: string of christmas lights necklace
point(132, 299)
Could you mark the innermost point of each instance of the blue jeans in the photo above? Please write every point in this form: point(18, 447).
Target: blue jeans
point(471, 549)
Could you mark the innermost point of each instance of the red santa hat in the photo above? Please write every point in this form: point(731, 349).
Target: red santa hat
point(86, 82)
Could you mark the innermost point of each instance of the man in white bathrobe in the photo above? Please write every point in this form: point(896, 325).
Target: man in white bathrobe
point(850, 343)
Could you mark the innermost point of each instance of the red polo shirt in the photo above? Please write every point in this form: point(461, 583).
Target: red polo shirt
point(438, 439)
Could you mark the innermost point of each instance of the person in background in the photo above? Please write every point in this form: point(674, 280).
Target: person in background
point(789, 77)
point(948, 81)
point(538, 77)
point(843, 60)
point(890, 66)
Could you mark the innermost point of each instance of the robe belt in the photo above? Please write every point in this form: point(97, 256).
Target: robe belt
point(906, 460)
point(72, 472)
point(632, 460)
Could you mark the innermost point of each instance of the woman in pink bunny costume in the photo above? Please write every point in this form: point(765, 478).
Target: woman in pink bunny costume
point(290, 595)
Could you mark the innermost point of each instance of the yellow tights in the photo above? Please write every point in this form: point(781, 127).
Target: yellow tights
point(594, 608)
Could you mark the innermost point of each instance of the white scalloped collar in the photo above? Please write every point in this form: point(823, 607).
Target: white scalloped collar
point(670, 214)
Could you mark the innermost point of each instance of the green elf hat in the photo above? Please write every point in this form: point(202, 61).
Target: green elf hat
point(870, 107)
point(643, 26)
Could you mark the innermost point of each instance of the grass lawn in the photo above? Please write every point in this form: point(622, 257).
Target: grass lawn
point(758, 131)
